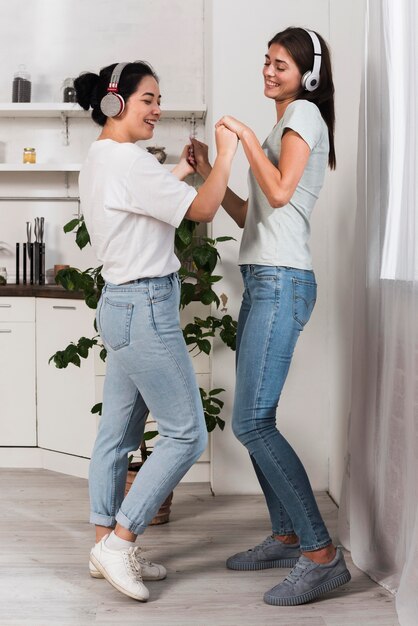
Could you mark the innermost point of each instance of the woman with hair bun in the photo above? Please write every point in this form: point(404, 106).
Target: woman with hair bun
point(285, 178)
point(132, 206)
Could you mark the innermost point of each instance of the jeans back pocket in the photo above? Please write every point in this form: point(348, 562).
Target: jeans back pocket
point(304, 298)
point(115, 323)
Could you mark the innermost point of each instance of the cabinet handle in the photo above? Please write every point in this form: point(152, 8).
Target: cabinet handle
point(5, 330)
point(67, 308)
point(5, 306)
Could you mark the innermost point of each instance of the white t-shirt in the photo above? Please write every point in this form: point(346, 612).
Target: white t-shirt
point(280, 237)
point(132, 206)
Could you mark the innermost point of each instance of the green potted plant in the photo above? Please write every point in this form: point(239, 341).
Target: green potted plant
point(199, 257)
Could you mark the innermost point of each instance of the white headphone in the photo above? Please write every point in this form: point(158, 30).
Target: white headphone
point(113, 104)
point(310, 79)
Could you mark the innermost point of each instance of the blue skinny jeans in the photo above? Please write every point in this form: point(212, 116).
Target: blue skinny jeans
point(148, 368)
point(276, 305)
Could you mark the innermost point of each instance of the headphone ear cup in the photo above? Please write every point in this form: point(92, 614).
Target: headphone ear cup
point(112, 104)
point(304, 79)
point(309, 81)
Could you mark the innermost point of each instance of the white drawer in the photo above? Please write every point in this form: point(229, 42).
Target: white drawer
point(16, 309)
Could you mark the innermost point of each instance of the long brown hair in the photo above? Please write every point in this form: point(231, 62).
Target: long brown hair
point(299, 45)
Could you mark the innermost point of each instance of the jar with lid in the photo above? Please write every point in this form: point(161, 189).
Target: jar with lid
point(29, 155)
point(21, 91)
point(3, 276)
point(68, 91)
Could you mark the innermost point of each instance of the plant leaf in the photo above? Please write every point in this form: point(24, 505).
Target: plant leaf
point(71, 225)
point(150, 434)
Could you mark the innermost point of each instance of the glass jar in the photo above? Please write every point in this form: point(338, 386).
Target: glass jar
point(21, 91)
point(3, 276)
point(29, 155)
point(69, 93)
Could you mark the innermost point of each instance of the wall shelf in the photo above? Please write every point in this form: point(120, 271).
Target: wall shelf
point(39, 167)
point(50, 167)
point(60, 109)
point(41, 109)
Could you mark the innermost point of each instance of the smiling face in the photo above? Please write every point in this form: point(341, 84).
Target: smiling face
point(281, 75)
point(142, 110)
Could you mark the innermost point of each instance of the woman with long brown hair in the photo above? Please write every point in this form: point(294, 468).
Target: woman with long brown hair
point(285, 178)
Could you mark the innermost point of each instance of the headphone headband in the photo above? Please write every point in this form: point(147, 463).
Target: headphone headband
point(115, 78)
point(310, 80)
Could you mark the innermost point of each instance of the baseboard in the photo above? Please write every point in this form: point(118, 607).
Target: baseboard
point(38, 458)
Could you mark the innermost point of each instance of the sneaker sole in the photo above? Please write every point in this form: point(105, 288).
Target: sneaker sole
point(329, 585)
point(104, 573)
point(246, 567)
point(95, 573)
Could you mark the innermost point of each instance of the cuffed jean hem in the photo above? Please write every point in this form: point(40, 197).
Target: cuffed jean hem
point(283, 533)
point(137, 529)
point(319, 546)
point(102, 520)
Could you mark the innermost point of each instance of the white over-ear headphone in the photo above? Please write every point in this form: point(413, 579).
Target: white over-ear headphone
point(310, 79)
point(113, 104)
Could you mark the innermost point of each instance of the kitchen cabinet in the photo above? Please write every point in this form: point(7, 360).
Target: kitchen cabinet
point(64, 396)
point(17, 372)
point(49, 409)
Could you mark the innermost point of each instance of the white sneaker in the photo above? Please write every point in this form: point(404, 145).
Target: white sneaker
point(149, 571)
point(121, 569)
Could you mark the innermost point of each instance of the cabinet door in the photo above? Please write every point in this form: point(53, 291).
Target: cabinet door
point(65, 396)
point(17, 384)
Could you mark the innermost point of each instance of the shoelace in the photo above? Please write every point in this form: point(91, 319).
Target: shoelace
point(143, 561)
point(298, 570)
point(133, 562)
point(262, 545)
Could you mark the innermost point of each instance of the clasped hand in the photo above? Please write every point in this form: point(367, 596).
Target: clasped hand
point(226, 134)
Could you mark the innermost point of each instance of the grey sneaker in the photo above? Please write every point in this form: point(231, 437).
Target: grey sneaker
point(268, 553)
point(308, 580)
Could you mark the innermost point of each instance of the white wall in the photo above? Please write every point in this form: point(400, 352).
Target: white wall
point(314, 406)
point(347, 22)
point(61, 39)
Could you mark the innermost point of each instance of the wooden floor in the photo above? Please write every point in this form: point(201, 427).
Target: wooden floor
point(45, 541)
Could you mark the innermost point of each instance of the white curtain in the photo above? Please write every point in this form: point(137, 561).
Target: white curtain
point(379, 508)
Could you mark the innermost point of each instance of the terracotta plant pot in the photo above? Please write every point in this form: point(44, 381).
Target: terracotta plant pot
point(163, 514)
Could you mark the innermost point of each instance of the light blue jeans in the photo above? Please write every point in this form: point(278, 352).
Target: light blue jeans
point(148, 367)
point(277, 303)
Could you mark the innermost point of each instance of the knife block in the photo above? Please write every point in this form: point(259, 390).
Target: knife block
point(39, 263)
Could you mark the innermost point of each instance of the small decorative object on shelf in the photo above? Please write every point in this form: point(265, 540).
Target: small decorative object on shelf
point(159, 153)
point(58, 268)
point(69, 94)
point(29, 155)
point(21, 85)
point(3, 276)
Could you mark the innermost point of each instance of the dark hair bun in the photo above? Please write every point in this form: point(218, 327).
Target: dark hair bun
point(86, 89)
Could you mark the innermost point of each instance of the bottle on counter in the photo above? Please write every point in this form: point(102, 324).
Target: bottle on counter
point(29, 155)
point(21, 85)
point(69, 94)
point(3, 276)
